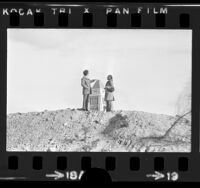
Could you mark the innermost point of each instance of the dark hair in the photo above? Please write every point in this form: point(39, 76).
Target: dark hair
point(85, 72)
point(109, 77)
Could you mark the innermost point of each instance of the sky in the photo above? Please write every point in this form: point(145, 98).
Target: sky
point(150, 68)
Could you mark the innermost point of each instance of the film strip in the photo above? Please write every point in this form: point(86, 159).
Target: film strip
point(22, 160)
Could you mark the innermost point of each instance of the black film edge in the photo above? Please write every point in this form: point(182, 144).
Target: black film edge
point(151, 133)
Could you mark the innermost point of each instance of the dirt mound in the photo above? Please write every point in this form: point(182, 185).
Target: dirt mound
point(74, 130)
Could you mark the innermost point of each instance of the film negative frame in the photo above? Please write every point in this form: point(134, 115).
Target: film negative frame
point(61, 166)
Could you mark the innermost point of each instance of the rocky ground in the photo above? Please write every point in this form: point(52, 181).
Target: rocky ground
point(75, 130)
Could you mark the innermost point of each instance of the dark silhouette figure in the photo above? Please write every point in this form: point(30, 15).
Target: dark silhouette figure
point(85, 83)
point(109, 90)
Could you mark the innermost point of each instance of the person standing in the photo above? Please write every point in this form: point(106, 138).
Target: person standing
point(109, 96)
point(85, 83)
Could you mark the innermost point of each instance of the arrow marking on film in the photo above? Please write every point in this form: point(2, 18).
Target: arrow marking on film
point(156, 176)
point(11, 178)
point(57, 175)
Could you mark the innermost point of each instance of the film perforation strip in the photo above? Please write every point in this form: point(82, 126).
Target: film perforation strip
point(37, 163)
point(14, 19)
point(87, 20)
point(136, 20)
point(135, 163)
point(184, 20)
point(86, 163)
point(63, 19)
point(61, 163)
point(13, 162)
point(160, 20)
point(159, 163)
point(183, 164)
point(112, 20)
point(39, 19)
point(110, 163)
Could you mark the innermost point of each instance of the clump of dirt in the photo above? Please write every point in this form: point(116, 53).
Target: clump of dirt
point(75, 130)
point(116, 122)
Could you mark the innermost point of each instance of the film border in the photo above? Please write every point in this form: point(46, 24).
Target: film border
point(121, 169)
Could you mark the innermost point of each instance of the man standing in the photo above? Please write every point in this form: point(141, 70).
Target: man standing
point(85, 83)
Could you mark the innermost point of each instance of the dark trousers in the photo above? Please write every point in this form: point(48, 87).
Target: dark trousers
point(85, 101)
point(109, 106)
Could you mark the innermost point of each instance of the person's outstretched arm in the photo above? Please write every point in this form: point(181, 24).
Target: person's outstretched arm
point(92, 80)
point(83, 84)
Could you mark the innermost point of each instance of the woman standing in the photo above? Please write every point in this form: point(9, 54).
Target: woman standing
point(109, 97)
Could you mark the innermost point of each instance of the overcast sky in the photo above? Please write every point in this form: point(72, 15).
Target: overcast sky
point(150, 67)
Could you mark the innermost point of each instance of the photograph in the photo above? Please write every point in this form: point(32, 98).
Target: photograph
point(99, 90)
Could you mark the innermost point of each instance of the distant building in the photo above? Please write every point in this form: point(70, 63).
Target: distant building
point(97, 96)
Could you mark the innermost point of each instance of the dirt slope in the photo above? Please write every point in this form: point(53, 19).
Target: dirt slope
point(120, 131)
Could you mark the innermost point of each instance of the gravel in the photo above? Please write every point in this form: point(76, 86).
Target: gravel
point(95, 131)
